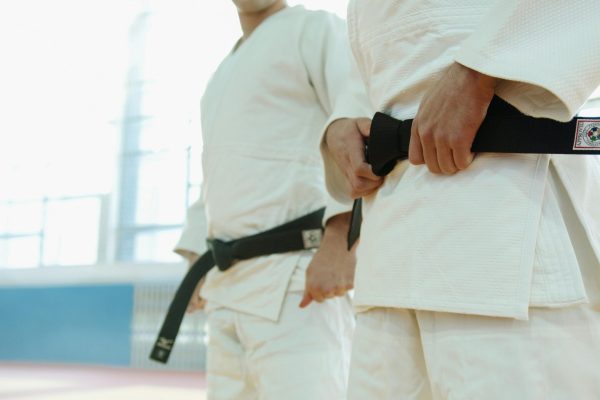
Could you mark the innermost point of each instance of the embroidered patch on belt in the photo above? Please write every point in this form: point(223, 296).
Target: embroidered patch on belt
point(587, 135)
point(311, 238)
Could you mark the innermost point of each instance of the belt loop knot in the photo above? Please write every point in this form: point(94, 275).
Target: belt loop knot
point(222, 253)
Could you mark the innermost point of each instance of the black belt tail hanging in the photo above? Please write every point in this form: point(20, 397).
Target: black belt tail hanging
point(302, 233)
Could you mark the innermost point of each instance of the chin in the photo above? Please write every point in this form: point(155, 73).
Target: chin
point(253, 5)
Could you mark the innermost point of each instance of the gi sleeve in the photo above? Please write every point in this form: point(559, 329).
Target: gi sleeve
point(193, 236)
point(332, 72)
point(546, 51)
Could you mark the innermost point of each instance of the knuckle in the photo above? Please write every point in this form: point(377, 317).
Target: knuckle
point(357, 171)
point(458, 142)
point(313, 288)
point(363, 170)
point(455, 141)
point(427, 136)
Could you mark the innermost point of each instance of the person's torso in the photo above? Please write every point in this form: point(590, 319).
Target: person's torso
point(261, 126)
point(465, 243)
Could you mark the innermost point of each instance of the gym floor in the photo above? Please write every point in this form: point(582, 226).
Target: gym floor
point(23, 381)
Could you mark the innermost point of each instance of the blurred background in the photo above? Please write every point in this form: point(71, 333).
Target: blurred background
point(99, 158)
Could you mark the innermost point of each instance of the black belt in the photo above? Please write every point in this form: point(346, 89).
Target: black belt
point(504, 130)
point(302, 233)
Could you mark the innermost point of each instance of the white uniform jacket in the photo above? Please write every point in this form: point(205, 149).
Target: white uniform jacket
point(263, 113)
point(489, 240)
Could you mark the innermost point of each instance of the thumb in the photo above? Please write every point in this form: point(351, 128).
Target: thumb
point(306, 300)
point(364, 126)
point(415, 149)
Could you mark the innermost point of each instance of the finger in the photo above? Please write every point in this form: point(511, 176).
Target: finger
point(430, 156)
point(356, 156)
point(330, 294)
point(415, 150)
point(445, 160)
point(365, 170)
point(192, 309)
point(306, 300)
point(340, 291)
point(364, 126)
point(318, 296)
point(361, 187)
point(195, 305)
point(462, 157)
point(191, 305)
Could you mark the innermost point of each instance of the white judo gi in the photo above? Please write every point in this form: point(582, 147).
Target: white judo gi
point(441, 258)
point(263, 113)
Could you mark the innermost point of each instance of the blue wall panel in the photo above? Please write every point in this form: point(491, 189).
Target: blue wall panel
point(81, 324)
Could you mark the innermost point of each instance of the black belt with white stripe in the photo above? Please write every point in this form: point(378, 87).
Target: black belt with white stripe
point(302, 233)
point(504, 130)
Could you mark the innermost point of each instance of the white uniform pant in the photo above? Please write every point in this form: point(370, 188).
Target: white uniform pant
point(305, 355)
point(406, 354)
point(555, 355)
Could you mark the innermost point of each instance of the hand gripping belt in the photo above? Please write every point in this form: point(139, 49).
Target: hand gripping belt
point(504, 130)
point(302, 233)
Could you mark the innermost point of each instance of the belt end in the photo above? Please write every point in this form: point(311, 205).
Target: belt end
point(162, 350)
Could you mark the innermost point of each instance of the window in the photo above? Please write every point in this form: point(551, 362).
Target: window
point(99, 135)
point(61, 88)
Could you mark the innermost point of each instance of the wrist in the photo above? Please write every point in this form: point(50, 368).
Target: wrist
point(338, 225)
point(333, 126)
point(476, 78)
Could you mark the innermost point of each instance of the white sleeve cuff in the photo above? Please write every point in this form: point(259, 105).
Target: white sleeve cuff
point(333, 208)
point(193, 236)
point(549, 68)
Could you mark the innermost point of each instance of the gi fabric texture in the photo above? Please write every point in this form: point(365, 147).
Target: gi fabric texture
point(488, 240)
point(427, 355)
point(263, 113)
point(304, 355)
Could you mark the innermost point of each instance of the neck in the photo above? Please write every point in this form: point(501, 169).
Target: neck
point(249, 21)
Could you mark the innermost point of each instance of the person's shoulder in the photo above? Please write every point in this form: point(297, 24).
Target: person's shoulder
point(315, 21)
point(322, 16)
point(313, 16)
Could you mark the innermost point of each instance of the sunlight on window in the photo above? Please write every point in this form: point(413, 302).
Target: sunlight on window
point(21, 218)
point(161, 192)
point(71, 232)
point(20, 252)
point(100, 137)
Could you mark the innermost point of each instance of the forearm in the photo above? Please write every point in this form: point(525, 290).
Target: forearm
point(336, 228)
point(331, 271)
